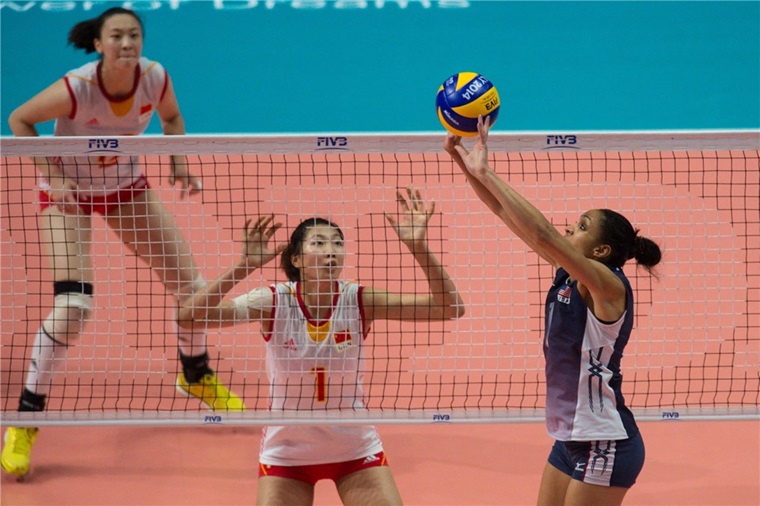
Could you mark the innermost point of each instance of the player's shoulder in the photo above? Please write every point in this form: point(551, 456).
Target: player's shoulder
point(87, 72)
point(348, 284)
point(285, 288)
point(350, 288)
point(150, 67)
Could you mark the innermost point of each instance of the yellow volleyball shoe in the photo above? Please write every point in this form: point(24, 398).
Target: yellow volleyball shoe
point(211, 392)
point(17, 452)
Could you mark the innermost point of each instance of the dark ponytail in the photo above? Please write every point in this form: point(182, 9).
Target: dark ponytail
point(646, 252)
point(84, 33)
point(626, 243)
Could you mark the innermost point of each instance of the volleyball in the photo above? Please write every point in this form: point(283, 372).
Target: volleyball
point(462, 98)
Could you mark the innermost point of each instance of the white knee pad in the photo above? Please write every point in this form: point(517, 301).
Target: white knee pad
point(66, 321)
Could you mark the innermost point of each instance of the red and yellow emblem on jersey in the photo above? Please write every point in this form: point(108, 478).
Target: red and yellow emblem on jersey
point(122, 107)
point(145, 113)
point(343, 340)
point(318, 333)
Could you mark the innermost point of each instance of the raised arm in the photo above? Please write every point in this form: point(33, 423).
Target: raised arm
point(527, 222)
point(450, 146)
point(209, 305)
point(443, 302)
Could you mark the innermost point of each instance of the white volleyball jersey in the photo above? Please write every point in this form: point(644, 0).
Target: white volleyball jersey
point(316, 365)
point(97, 115)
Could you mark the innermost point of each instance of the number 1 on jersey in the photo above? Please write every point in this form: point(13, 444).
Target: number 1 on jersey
point(320, 382)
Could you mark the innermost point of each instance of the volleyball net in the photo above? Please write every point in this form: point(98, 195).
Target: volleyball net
point(694, 351)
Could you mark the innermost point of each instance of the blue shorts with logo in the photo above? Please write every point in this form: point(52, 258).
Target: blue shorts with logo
point(607, 463)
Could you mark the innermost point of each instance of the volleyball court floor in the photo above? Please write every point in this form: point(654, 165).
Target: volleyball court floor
point(688, 462)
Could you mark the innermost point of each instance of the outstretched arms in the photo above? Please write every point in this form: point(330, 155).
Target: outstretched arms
point(208, 305)
point(443, 302)
point(527, 222)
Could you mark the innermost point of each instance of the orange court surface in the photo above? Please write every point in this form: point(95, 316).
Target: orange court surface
point(688, 463)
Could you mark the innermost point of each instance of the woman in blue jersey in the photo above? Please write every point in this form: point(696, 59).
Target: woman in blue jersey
point(316, 327)
point(116, 94)
point(598, 452)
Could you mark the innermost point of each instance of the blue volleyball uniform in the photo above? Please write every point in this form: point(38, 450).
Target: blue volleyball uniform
point(584, 401)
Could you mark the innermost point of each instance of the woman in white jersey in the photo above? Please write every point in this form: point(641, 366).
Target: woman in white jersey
point(316, 327)
point(115, 95)
point(598, 451)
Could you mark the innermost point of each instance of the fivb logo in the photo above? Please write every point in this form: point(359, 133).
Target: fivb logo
point(441, 417)
point(561, 141)
point(339, 143)
point(212, 419)
point(101, 145)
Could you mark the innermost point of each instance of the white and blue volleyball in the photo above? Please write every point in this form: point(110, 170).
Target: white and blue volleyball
point(462, 98)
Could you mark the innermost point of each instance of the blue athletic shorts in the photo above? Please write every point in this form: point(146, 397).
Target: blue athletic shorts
point(606, 463)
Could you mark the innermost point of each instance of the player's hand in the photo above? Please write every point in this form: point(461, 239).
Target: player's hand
point(476, 161)
point(451, 142)
point(411, 227)
point(256, 235)
point(63, 194)
point(180, 174)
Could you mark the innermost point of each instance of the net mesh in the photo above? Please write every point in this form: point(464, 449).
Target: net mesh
point(694, 352)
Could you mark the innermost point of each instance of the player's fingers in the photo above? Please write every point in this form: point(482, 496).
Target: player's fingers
point(415, 197)
point(67, 207)
point(401, 200)
point(195, 187)
point(68, 204)
point(431, 210)
point(391, 220)
point(274, 228)
point(260, 225)
point(410, 194)
point(269, 226)
point(486, 127)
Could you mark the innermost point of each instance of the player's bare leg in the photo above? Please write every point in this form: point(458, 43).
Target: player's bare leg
point(65, 239)
point(369, 487)
point(277, 491)
point(148, 229)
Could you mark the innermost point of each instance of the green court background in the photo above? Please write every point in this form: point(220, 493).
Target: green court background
point(373, 66)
